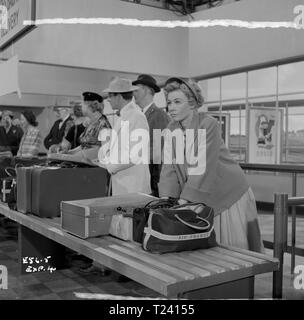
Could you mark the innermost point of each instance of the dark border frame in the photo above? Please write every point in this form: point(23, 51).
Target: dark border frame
point(24, 31)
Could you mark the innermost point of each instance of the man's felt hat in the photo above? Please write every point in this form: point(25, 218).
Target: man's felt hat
point(148, 81)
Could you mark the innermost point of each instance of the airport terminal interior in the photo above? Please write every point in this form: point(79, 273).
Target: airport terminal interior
point(251, 79)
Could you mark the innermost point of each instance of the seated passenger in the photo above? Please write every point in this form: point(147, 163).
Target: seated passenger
point(31, 140)
point(72, 139)
point(215, 178)
point(59, 129)
point(10, 135)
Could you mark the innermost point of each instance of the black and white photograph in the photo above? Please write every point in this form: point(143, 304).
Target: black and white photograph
point(152, 153)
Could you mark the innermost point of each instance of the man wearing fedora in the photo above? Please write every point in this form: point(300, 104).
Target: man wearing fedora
point(157, 119)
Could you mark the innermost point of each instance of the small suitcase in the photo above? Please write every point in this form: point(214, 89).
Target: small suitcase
point(50, 186)
point(24, 192)
point(92, 217)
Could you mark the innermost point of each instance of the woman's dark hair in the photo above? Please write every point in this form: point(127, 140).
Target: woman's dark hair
point(30, 117)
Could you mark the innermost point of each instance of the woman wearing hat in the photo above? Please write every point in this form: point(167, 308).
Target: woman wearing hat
point(218, 181)
point(31, 140)
point(92, 108)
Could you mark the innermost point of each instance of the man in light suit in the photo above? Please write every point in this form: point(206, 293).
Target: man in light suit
point(157, 119)
point(129, 172)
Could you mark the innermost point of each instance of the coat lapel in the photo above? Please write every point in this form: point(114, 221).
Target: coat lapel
point(150, 111)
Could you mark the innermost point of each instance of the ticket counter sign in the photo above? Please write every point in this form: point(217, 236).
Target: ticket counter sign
point(265, 128)
point(12, 15)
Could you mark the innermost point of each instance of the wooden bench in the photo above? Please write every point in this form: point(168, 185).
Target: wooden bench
point(220, 272)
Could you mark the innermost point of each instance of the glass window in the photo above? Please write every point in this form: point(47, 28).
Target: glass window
point(211, 89)
point(262, 82)
point(233, 128)
point(237, 139)
point(262, 90)
point(291, 78)
point(234, 86)
point(294, 148)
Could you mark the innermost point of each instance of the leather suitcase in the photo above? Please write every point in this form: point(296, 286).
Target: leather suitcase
point(24, 187)
point(50, 186)
point(92, 217)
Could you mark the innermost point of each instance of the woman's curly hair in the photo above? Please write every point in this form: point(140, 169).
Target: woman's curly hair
point(191, 89)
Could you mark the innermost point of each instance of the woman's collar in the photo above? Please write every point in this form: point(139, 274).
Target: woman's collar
point(193, 123)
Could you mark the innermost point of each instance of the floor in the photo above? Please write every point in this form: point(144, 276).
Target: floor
point(67, 284)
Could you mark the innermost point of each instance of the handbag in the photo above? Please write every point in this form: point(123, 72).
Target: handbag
point(180, 228)
point(141, 215)
point(129, 223)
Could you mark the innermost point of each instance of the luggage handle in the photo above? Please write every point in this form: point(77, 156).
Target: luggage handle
point(189, 204)
point(157, 202)
point(10, 174)
point(193, 226)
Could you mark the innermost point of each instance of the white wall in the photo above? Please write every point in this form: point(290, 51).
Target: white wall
point(120, 48)
point(221, 49)
point(44, 80)
point(160, 51)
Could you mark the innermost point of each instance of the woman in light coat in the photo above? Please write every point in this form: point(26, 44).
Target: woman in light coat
point(214, 178)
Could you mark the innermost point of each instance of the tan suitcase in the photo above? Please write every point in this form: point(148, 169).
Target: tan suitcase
point(92, 217)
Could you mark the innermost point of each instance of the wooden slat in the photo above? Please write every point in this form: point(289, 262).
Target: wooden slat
point(229, 258)
point(186, 266)
point(239, 255)
point(220, 278)
point(128, 244)
point(162, 257)
point(135, 265)
point(180, 274)
point(212, 268)
point(217, 261)
point(250, 253)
